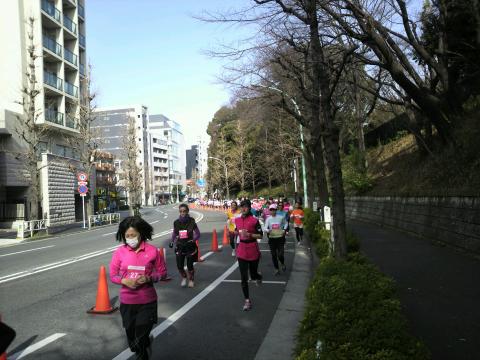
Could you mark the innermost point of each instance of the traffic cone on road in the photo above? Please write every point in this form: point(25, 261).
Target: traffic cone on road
point(225, 236)
point(161, 252)
point(102, 304)
point(200, 259)
point(214, 241)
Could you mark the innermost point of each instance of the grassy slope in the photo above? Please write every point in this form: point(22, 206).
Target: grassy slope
point(397, 168)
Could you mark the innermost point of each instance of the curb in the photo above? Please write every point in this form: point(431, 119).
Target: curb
point(280, 340)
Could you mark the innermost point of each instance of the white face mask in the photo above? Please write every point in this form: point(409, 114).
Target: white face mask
point(132, 242)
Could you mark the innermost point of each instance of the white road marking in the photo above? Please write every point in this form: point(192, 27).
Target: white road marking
point(69, 261)
point(20, 354)
point(126, 354)
point(109, 233)
point(154, 222)
point(263, 282)
point(24, 251)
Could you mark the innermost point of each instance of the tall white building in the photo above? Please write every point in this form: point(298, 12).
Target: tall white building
point(159, 168)
point(112, 124)
point(59, 44)
point(172, 132)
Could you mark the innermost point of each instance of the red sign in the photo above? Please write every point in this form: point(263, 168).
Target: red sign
point(81, 176)
point(82, 189)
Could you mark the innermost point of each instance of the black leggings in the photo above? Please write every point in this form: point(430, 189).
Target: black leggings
point(7, 334)
point(244, 266)
point(299, 233)
point(231, 235)
point(181, 264)
point(277, 249)
point(138, 320)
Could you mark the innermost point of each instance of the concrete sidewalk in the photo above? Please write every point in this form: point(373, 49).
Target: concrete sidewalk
point(280, 340)
point(439, 288)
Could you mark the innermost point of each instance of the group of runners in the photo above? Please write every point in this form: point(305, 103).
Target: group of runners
point(138, 265)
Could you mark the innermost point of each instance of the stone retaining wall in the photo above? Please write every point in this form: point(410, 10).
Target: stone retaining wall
point(452, 220)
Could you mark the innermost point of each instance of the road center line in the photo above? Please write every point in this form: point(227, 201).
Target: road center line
point(22, 353)
point(126, 354)
point(24, 251)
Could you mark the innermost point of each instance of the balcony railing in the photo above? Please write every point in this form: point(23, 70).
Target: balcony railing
point(82, 40)
point(69, 24)
point(71, 89)
point(71, 57)
point(81, 11)
point(53, 116)
point(51, 10)
point(52, 80)
point(52, 45)
point(71, 122)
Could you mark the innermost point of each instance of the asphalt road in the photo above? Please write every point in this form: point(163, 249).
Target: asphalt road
point(46, 287)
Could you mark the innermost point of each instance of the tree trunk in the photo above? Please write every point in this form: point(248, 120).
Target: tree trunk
point(309, 169)
point(321, 82)
point(321, 179)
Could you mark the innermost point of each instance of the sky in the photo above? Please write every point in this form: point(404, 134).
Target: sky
point(152, 52)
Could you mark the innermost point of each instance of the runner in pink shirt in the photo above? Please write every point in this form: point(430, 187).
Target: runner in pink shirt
point(136, 265)
point(248, 231)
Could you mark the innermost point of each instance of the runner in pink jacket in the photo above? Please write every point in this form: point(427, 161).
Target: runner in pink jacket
point(248, 230)
point(137, 265)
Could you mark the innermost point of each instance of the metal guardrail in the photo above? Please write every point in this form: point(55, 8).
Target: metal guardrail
point(103, 219)
point(31, 226)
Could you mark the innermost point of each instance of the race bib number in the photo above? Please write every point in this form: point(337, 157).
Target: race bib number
point(275, 226)
point(183, 234)
point(134, 272)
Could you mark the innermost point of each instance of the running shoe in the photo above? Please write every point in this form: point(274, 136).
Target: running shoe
point(258, 282)
point(233, 252)
point(247, 306)
point(276, 272)
point(184, 282)
point(191, 284)
point(284, 268)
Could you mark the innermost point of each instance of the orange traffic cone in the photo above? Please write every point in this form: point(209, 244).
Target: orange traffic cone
point(200, 259)
point(214, 241)
point(225, 236)
point(161, 252)
point(102, 305)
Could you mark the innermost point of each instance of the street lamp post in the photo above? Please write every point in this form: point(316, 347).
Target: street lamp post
point(226, 173)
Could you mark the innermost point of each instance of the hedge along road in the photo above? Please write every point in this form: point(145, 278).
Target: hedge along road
point(211, 312)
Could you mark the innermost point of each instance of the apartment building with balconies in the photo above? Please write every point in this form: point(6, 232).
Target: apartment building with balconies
point(59, 43)
point(159, 167)
point(112, 124)
point(171, 131)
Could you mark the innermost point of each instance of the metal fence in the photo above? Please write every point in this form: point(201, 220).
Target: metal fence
point(32, 226)
point(103, 219)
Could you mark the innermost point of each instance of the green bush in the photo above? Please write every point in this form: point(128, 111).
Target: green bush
point(351, 309)
point(352, 313)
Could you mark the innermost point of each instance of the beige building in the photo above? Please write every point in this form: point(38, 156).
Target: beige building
point(60, 47)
